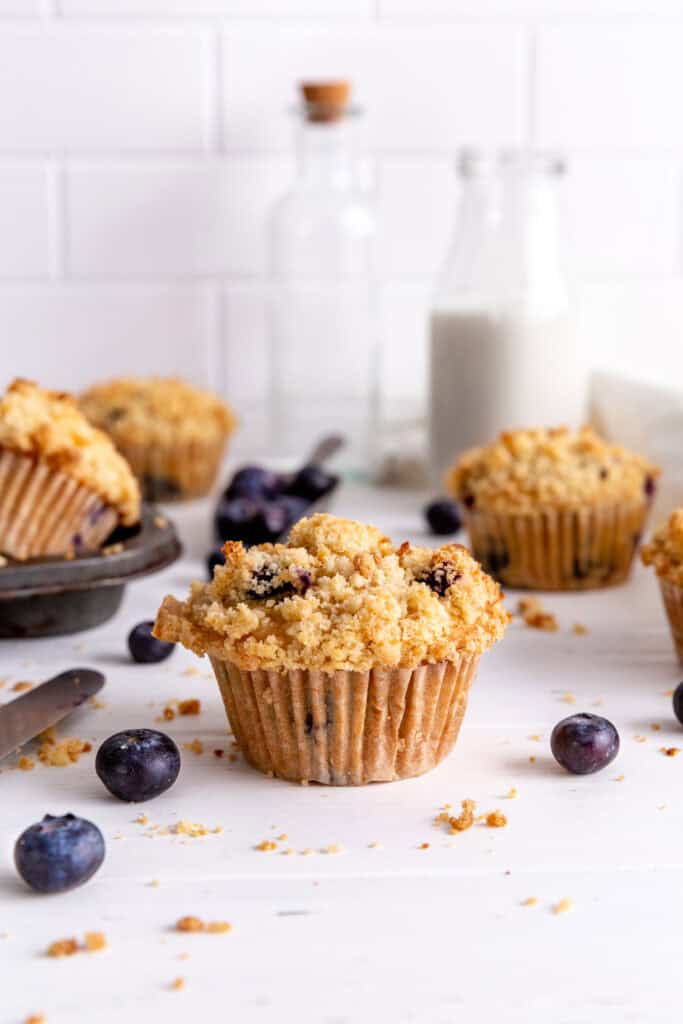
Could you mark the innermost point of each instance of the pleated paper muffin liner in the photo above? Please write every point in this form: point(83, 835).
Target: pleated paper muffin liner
point(672, 596)
point(346, 728)
point(45, 512)
point(573, 549)
point(171, 472)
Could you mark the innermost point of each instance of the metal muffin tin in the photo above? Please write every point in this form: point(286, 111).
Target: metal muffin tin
point(52, 597)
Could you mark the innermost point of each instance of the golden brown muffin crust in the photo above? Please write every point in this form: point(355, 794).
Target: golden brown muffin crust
point(665, 549)
point(557, 468)
point(156, 410)
point(338, 596)
point(49, 425)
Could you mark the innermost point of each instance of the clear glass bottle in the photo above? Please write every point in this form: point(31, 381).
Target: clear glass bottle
point(502, 346)
point(324, 333)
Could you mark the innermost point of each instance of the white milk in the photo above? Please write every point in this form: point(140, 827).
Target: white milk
point(489, 374)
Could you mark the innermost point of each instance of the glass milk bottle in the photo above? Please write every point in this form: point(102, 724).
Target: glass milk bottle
point(502, 346)
point(324, 337)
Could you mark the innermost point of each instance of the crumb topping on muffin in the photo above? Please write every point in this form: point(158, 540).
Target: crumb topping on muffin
point(49, 425)
point(138, 410)
point(338, 596)
point(555, 468)
point(665, 550)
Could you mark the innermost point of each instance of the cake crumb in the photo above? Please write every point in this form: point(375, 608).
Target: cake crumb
point(196, 746)
point(535, 736)
point(307, 852)
point(22, 687)
point(289, 852)
point(189, 924)
point(568, 698)
point(266, 845)
point(423, 846)
point(189, 707)
point(668, 693)
point(465, 819)
point(218, 927)
point(620, 778)
point(532, 759)
point(62, 947)
point(283, 837)
point(154, 884)
point(191, 670)
point(670, 751)
point(160, 522)
point(193, 829)
point(496, 819)
point(374, 845)
point(656, 727)
point(35, 1018)
point(167, 715)
point(579, 629)
point(95, 941)
point(535, 616)
point(563, 906)
point(332, 848)
point(60, 753)
point(530, 901)
point(141, 819)
point(177, 984)
point(26, 764)
point(640, 739)
point(512, 793)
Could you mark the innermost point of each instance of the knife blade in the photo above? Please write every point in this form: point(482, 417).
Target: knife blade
point(22, 719)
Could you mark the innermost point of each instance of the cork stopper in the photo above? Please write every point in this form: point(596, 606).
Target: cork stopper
point(326, 101)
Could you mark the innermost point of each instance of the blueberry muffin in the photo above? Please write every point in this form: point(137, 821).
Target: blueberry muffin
point(172, 434)
point(340, 658)
point(554, 509)
point(665, 554)
point(63, 485)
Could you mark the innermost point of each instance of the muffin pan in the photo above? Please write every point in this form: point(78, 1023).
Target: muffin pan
point(55, 596)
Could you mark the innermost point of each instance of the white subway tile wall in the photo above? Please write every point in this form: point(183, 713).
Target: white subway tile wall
point(142, 142)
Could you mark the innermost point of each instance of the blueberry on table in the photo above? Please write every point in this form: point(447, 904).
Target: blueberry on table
point(254, 482)
point(213, 559)
point(144, 647)
point(138, 764)
point(678, 702)
point(235, 519)
point(311, 483)
point(59, 853)
point(584, 743)
point(443, 517)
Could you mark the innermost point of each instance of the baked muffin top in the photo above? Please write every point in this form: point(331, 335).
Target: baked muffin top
point(665, 550)
point(156, 410)
point(50, 426)
point(558, 468)
point(338, 596)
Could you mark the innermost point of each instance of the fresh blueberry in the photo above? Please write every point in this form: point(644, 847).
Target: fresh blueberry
point(235, 519)
point(254, 482)
point(584, 743)
point(443, 516)
point(59, 853)
point(678, 702)
point(213, 559)
point(311, 483)
point(144, 647)
point(138, 764)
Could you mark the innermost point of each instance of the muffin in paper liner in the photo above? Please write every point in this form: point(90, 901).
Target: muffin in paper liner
point(46, 513)
point(172, 433)
point(174, 471)
point(558, 549)
point(346, 728)
point(672, 596)
point(341, 658)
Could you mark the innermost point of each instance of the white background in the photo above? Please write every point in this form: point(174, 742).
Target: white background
point(141, 142)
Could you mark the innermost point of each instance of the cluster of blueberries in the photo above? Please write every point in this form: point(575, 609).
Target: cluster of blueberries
point(259, 506)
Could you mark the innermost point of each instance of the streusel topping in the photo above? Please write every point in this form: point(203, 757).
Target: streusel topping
point(50, 426)
point(557, 468)
point(338, 596)
point(665, 549)
point(161, 410)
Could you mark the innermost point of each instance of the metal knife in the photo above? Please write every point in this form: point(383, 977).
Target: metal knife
point(22, 719)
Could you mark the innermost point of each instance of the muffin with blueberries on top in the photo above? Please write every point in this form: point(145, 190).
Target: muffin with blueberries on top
point(665, 554)
point(63, 485)
point(340, 658)
point(554, 509)
point(172, 434)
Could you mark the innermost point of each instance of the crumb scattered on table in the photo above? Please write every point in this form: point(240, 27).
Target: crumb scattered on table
point(92, 943)
point(496, 819)
point(579, 629)
point(670, 751)
point(196, 746)
point(192, 706)
point(26, 764)
point(512, 793)
point(563, 906)
point(22, 687)
point(530, 901)
point(266, 845)
point(177, 984)
point(535, 616)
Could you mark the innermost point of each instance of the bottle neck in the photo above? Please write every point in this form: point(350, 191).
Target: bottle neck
point(325, 153)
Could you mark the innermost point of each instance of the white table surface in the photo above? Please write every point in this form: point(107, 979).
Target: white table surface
point(395, 933)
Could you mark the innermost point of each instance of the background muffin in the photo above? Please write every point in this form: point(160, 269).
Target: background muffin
point(340, 658)
point(665, 554)
point(63, 486)
point(172, 434)
point(554, 509)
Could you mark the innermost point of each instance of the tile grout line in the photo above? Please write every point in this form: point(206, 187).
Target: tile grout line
point(57, 220)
